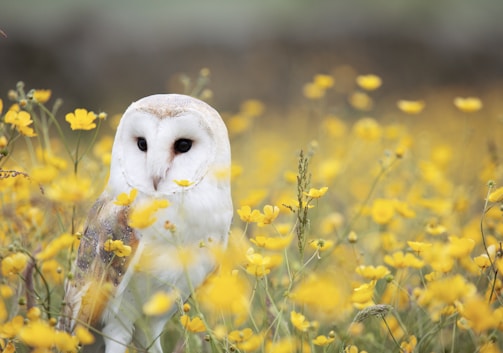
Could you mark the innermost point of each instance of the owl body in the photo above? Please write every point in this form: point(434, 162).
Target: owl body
point(161, 140)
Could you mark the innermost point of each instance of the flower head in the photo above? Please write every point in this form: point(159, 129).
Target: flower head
point(125, 199)
point(410, 107)
point(369, 82)
point(81, 119)
point(21, 121)
point(143, 216)
point(468, 104)
point(117, 247)
point(158, 304)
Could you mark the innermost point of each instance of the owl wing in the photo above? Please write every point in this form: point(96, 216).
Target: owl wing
point(98, 272)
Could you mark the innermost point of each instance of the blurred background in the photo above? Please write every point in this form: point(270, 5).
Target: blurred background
point(104, 54)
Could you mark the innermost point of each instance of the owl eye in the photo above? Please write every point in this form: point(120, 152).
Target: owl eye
point(183, 145)
point(142, 144)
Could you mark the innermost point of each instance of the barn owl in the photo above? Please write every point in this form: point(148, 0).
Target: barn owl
point(161, 140)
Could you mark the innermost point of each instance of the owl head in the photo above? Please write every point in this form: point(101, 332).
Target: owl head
point(165, 138)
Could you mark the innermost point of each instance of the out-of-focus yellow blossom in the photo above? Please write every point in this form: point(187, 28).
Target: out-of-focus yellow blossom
point(64, 241)
point(325, 296)
point(299, 321)
point(352, 237)
point(434, 228)
point(11, 328)
point(362, 295)
point(183, 182)
point(269, 215)
point(334, 126)
point(238, 124)
point(460, 247)
point(316, 193)
point(496, 195)
point(70, 189)
point(287, 345)
point(225, 293)
point(252, 107)
point(142, 216)
point(1, 106)
point(53, 271)
point(259, 265)
point(446, 291)
point(323, 340)
point(14, 264)
point(83, 335)
point(382, 211)
point(323, 81)
point(479, 315)
point(21, 121)
point(369, 82)
point(403, 209)
point(117, 247)
point(158, 304)
point(482, 261)
point(361, 101)
point(272, 243)
point(468, 104)
point(3, 314)
point(321, 244)
point(367, 129)
point(313, 91)
point(251, 344)
point(102, 149)
point(247, 215)
point(396, 296)
point(410, 345)
point(418, 246)
point(410, 107)
point(47, 157)
point(401, 260)
point(6, 291)
point(372, 272)
point(192, 325)
point(44, 174)
point(124, 199)
point(42, 95)
point(81, 119)
point(3, 142)
point(240, 335)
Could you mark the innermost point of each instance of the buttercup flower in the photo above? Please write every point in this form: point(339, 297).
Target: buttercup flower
point(124, 199)
point(468, 104)
point(143, 216)
point(158, 304)
point(192, 325)
point(410, 107)
point(81, 119)
point(369, 82)
point(316, 193)
point(21, 121)
point(117, 247)
point(42, 95)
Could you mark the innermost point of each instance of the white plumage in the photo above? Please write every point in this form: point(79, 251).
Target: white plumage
point(160, 139)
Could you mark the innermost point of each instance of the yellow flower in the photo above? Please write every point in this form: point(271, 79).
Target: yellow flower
point(44, 174)
point(258, 265)
point(410, 345)
point(367, 129)
point(252, 108)
point(183, 183)
point(299, 321)
point(117, 247)
point(369, 82)
point(496, 195)
point(410, 107)
point(70, 189)
point(81, 119)
point(124, 199)
point(240, 335)
point(323, 81)
point(247, 215)
point(62, 242)
point(479, 314)
point(418, 247)
point(143, 216)
point(21, 120)
point(192, 325)
point(158, 304)
point(468, 105)
point(42, 95)
point(372, 272)
point(323, 340)
point(272, 243)
point(361, 101)
point(3, 142)
point(83, 335)
point(362, 295)
point(482, 261)
point(12, 328)
point(1, 106)
point(313, 91)
point(14, 264)
point(316, 193)
point(382, 211)
point(321, 244)
point(460, 247)
point(269, 215)
point(38, 334)
point(52, 270)
point(399, 260)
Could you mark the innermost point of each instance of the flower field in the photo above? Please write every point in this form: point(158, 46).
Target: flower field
point(361, 223)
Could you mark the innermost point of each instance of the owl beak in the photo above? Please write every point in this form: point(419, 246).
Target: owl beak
point(155, 181)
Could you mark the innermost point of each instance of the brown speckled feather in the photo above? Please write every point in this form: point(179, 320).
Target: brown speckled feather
point(97, 272)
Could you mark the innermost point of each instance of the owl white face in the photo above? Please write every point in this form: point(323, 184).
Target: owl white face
point(163, 138)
